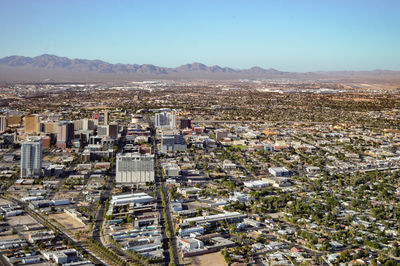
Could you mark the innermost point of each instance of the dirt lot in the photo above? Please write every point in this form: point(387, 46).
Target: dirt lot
point(51, 158)
point(21, 220)
point(276, 215)
point(67, 221)
point(66, 195)
point(9, 237)
point(42, 264)
point(215, 259)
point(4, 202)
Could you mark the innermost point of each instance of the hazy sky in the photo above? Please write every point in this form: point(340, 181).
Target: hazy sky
point(290, 35)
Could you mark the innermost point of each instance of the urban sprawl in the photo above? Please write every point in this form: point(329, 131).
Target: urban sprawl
point(247, 172)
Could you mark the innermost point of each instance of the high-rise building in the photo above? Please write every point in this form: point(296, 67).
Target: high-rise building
point(7, 141)
point(10, 138)
point(14, 120)
point(96, 119)
point(172, 141)
point(110, 130)
point(165, 120)
point(134, 169)
point(32, 124)
point(65, 134)
point(87, 124)
point(113, 130)
point(186, 123)
point(3, 123)
point(51, 127)
point(78, 124)
point(106, 118)
point(102, 131)
point(31, 158)
point(46, 142)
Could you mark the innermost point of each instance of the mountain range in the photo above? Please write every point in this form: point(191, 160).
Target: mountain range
point(24, 69)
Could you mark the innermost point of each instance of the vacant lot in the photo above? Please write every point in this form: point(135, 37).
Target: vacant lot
point(21, 220)
point(67, 221)
point(215, 259)
point(4, 202)
point(51, 158)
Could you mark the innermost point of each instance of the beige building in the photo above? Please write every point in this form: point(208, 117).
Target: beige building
point(32, 124)
point(14, 120)
point(51, 127)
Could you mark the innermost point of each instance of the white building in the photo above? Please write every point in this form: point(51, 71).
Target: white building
point(279, 171)
point(228, 165)
point(60, 256)
point(134, 169)
point(165, 120)
point(31, 158)
point(135, 199)
point(256, 184)
point(192, 230)
point(240, 197)
point(191, 243)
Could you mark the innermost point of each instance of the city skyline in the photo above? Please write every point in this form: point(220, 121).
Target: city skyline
point(285, 35)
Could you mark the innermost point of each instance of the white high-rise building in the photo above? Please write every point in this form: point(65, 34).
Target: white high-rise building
point(3, 123)
point(31, 158)
point(165, 120)
point(134, 169)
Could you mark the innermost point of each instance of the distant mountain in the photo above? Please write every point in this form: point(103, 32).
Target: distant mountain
point(21, 68)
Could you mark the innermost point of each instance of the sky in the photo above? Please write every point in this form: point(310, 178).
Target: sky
point(288, 35)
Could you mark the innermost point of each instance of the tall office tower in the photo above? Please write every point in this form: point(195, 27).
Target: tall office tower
point(14, 120)
point(165, 120)
point(51, 127)
point(172, 141)
point(65, 134)
point(3, 123)
point(113, 130)
point(78, 124)
point(134, 169)
point(106, 118)
point(186, 123)
point(87, 124)
point(9, 139)
point(102, 131)
point(32, 124)
point(96, 119)
point(31, 158)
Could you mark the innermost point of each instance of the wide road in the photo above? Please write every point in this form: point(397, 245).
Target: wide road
point(169, 217)
point(99, 217)
point(159, 185)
